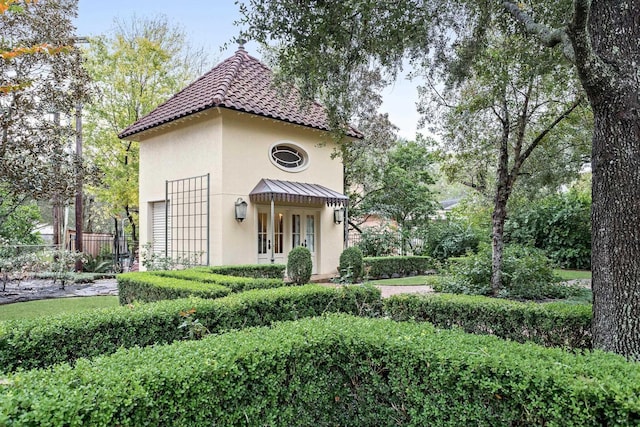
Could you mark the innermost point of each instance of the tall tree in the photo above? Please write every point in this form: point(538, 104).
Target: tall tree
point(403, 193)
point(135, 69)
point(325, 45)
point(42, 80)
point(511, 102)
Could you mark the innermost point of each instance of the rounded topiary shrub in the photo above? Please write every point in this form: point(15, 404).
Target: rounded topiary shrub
point(351, 264)
point(299, 265)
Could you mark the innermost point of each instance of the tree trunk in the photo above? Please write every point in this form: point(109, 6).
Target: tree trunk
point(499, 215)
point(498, 219)
point(614, 92)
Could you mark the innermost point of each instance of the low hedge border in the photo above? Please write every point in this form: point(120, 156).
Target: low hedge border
point(386, 267)
point(150, 287)
point(41, 342)
point(335, 370)
point(257, 271)
point(552, 324)
point(236, 284)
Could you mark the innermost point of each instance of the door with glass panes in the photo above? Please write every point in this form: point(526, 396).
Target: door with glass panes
point(271, 245)
point(304, 232)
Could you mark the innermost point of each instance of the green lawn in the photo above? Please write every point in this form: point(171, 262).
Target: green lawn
point(46, 307)
point(573, 274)
point(406, 281)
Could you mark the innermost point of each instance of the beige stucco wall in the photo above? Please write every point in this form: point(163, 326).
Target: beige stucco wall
point(234, 148)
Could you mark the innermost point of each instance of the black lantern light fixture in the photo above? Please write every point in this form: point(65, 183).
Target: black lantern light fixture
point(241, 209)
point(338, 215)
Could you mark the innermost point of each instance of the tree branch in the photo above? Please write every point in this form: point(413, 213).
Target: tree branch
point(549, 37)
point(548, 129)
point(595, 74)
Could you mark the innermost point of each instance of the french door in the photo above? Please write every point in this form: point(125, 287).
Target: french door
point(271, 245)
point(303, 225)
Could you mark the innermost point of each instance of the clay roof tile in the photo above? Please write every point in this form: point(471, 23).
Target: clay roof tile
point(240, 83)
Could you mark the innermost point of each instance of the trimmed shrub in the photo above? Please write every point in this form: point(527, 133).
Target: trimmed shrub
point(335, 370)
point(385, 267)
point(526, 274)
point(299, 265)
point(257, 271)
point(236, 284)
point(555, 324)
point(41, 342)
point(150, 287)
point(351, 264)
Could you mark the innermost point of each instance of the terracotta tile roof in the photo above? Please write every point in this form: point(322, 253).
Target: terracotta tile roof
point(240, 83)
point(296, 192)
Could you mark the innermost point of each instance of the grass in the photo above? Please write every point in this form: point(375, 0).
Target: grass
point(406, 281)
point(573, 274)
point(46, 307)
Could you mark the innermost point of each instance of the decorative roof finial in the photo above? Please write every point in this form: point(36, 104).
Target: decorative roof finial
point(241, 43)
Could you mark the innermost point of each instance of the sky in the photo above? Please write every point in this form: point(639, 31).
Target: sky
point(210, 24)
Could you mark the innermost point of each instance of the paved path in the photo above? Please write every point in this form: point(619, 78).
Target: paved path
point(42, 289)
point(30, 290)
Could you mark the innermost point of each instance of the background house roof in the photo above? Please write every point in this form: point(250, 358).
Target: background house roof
point(240, 83)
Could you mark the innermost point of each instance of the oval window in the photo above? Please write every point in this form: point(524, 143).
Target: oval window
point(288, 156)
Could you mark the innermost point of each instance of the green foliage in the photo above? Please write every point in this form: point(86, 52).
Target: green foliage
point(150, 287)
point(351, 264)
point(18, 221)
point(35, 162)
point(553, 324)
point(559, 224)
point(379, 241)
point(299, 265)
point(257, 271)
point(526, 274)
point(384, 267)
point(445, 239)
point(45, 341)
point(333, 370)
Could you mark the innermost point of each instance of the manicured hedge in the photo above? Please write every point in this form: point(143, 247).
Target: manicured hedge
point(236, 284)
point(150, 287)
point(553, 324)
point(258, 271)
point(64, 338)
point(335, 370)
point(385, 267)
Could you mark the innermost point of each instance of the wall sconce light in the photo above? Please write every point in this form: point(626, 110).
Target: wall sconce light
point(338, 215)
point(241, 209)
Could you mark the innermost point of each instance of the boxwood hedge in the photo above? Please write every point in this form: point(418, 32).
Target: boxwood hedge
point(335, 370)
point(384, 267)
point(553, 324)
point(235, 283)
point(258, 271)
point(150, 287)
point(45, 341)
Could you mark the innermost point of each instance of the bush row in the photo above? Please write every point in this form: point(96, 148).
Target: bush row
point(258, 271)
point(235, 283)
point(385, 267)
point(150, 287)
point(553, 324)
point(45, 341)
point(335, 370)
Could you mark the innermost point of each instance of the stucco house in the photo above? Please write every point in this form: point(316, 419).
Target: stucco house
point(234, 172)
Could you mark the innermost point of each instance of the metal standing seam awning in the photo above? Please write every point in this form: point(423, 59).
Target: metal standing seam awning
point(295, 192)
